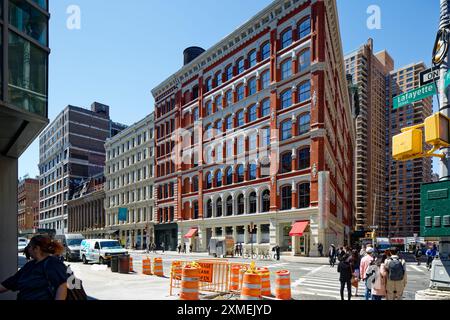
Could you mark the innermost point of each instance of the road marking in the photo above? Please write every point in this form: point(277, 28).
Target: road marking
point(417, 269)
point(303, 279)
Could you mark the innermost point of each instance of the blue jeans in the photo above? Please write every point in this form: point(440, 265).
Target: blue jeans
point(374, 297)
point(368, 294)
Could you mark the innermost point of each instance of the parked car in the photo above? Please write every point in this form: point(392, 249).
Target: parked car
point(72, 244)
point(100, 250)
point(22, 243)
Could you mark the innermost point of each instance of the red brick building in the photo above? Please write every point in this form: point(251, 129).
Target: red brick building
point(28, 204)
point(257, 131)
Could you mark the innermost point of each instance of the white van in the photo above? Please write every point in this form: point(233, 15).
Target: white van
point(71, 243)
point(100, 250)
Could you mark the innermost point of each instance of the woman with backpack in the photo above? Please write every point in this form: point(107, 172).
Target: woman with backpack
point(346, 275)
point(379, 283)
point(396, 276)
point(44, 277)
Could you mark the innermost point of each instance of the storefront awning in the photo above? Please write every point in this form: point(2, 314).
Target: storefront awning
point(191, 233)
point(298, 228)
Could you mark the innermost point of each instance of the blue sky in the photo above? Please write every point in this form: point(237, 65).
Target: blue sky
point(123, 51)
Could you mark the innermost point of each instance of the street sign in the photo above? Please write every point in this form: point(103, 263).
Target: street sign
point(414, 95)
point(429, 76)
point(373, 227)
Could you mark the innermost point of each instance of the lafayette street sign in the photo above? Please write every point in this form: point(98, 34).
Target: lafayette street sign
point(414, 95)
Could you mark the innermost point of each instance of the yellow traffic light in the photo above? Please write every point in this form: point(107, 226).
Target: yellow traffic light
point(437, 130)
point(407, 144)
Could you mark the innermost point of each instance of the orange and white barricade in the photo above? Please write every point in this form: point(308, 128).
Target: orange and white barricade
point(283, 285)
point(251, 286)
point(234, 278)
point(146, 266)
point(265, 281)
point(158, 267)
point(131, 264)
point(190, 283)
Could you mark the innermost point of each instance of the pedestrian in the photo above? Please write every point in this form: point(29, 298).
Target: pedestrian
point(320, 248)
point(42, 278)
point(345, 277)
point(379, 283)
point(277, 252)
point(190, 248)
point(431, 254)
point(366, 261)
point(179, 248)
point(332, 255)
point(184, 247)
point(355, 263)
point(418, 254)
point(396, 276)
point(162, 246)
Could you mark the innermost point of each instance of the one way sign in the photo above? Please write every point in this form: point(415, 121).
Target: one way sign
point(428, 76)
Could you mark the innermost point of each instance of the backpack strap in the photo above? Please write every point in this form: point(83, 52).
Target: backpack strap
point(50, 286)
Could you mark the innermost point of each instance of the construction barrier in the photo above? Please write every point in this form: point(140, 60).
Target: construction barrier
point(158, 267)
point(215, 274)
point(146, 266)
point(265, 281)
point(190, 283)
point(234, 278)
point(251, 287)
point(283, 285)
point(131, 264)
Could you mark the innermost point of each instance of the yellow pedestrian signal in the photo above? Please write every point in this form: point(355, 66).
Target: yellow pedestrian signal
point(407, 144)
point(437, 130)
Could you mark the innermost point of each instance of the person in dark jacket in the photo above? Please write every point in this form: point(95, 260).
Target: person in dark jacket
point(345, 277)
point(332, 255)
point(44, 277)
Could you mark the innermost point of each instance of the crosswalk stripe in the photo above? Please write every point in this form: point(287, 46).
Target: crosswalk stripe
point(319, 286)
point(334, 281)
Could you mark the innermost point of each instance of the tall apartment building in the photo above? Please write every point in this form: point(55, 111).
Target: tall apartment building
point(129, 184)
point(23, 107)
point(86, 210)
point(369, 71)
point(71, 149)
point(258, 131)
point(28, 204)
point(402, 201)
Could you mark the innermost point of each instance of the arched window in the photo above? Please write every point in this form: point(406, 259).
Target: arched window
point(229, 123)
point(303, 195)
point(218, 126)
point(252, 202)
point(208, 108)
point(265, 200)
point(252, 172)
point(240, 118)
point(209, 209)
point(208, 180)
point(286, 130)
point(252, 116)
point(304, 160)
point(252, 58)
point(240, 92)
point(304, 124)
point(265, 79)
point(218, 102)
point(230, 148)
point(286, 69)
point(229, 206)
point(265, 51)
point(186, 186)
point(219, 207)
point(252, 139)
point(265, 137)
point(240, 66)
point(195, 184)
point(240, 145)
point(195, 205)
point(229, 72)
point(304, 91)
point(229, 98)
point(286, 198)
point(229, 174)
point(286, 38)
point(265, 107)
point(208, 84)
point(286, 99)
point(208, 133)
point(286, 162)
point(195, 114)
point(219, 178)
point(240, 204)
point(219, 153)
point(304, 60)
point(304, 28)
point(218, 78)
point(240, 173)
point(252, 86)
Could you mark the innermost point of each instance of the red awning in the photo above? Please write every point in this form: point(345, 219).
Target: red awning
point(191, 233)
point(298, 228)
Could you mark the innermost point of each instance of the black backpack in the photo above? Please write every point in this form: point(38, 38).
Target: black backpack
point(396, 270)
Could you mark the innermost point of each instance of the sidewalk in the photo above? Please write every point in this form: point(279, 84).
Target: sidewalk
point(205, 255)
